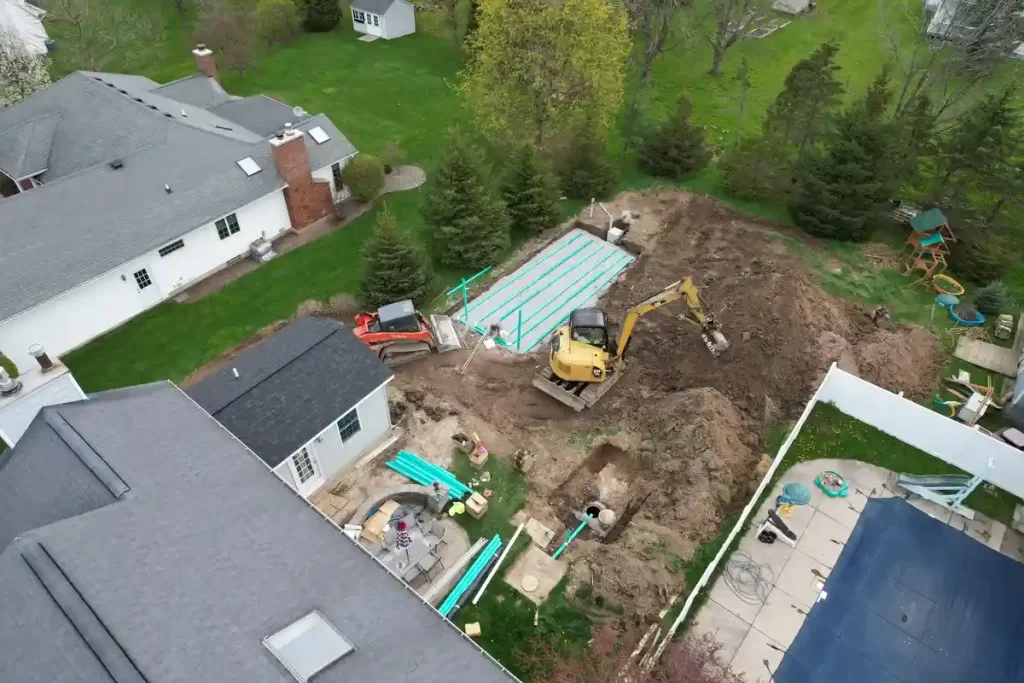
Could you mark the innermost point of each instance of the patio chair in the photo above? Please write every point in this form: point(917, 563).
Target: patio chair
point(437, 530)
point(390, 537)
point(428, 564)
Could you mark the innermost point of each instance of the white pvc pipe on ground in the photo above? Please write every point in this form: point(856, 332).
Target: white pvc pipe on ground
point(494, 569)
point(709, 572)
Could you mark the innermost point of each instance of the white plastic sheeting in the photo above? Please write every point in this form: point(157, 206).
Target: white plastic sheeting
point(24, 21)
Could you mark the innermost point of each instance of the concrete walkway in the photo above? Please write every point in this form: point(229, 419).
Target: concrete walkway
point(401, 179)
point(757, 628)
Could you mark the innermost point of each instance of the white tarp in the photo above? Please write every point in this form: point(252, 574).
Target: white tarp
point(25, 21)
point(791, 6)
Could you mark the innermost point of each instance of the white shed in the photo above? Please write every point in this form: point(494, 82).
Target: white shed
point(25, 22)
point(384, 18)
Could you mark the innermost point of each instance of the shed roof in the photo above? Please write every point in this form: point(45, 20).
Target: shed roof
point(291, 386)
point(373, 6)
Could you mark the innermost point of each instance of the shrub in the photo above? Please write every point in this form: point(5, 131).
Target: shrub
point(981, 257)
point(321, 16)
point(992, 298)
point(757, 170)
point(364, 176)
point(586, 172)
point(280, 21)
point(8, 365)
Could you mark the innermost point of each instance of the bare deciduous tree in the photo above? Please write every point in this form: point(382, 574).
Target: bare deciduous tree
point(94, 30)
point(954, 53)
point(21, 72)
point(230, 29)
point(725, 23)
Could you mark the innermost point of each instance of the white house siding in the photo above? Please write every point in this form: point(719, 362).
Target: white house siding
point(332, 456)
point(367, 26)
point(399, 20)
point(205, 252)
point(87, 311)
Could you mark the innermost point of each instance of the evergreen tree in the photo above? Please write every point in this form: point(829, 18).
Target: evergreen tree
point(757, 169)
point(992, 298)
point(676, 149)
point(840, 191)
point(801, 112)
point(982, 145)
point(530, 192)
point(471, 228)
point(396, 268)
point(321, 15)
point(913, 139)
point(586, 171)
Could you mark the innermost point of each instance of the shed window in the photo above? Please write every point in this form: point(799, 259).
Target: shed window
point(358, 17)
point(227, 226)
point(375, 22)
point(142, 279)
point(348, 425)
point(172, 247)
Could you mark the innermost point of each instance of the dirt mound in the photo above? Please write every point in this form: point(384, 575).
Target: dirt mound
point(908, 359)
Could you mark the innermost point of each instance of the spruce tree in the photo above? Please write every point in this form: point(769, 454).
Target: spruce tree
point(801, 112)
point(677, 148)
point(395, 267)
point(530, 191)
point(470, 225)
point(840, 192)
point(757, 169)
point(320, 15)
point(586, 171)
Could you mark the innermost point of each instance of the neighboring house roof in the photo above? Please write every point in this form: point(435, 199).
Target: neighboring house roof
point(373, 6)
point(929, 220)
point(24, 20)
point(206, 554)
point(88, 218)
point(291, 386)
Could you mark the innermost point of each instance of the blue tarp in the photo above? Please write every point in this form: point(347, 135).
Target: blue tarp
point(912, 600)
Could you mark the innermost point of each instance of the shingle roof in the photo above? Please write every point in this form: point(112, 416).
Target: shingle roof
point(258, 113)
point(198, 90)
point(291, 386)
point(25, 149)
point(94, 218)
point(181, 579)
point(372, 6)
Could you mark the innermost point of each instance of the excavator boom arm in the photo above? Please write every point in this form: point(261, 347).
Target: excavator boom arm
point(683, 289)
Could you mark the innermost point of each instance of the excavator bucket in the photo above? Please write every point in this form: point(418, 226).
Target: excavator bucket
point(715, 341)
point(444, 331)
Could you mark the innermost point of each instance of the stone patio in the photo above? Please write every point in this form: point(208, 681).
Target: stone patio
point(752, 630)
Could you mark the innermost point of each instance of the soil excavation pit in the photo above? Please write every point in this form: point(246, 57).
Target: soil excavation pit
point(531, 302)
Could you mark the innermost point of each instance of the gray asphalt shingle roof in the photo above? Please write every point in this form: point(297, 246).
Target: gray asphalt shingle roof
point(25, 149)
point(257, 113)
point(181, 580)
point(93, 218)
point(291, 386)
point(372, 6)
point(198, 90)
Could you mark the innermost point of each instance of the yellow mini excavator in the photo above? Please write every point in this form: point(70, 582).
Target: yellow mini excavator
point(586, 362)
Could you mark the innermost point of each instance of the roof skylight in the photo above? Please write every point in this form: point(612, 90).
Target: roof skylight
point(249, 165)
point(308, 646)
point(319, 135)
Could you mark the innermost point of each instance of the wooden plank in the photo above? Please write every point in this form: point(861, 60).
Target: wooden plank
point(988, 356)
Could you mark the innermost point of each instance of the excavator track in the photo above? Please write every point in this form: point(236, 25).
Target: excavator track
point(577, 395)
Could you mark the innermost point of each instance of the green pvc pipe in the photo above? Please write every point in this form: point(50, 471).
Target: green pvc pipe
point(569, 540)
point(465, 301)
point(519, 328)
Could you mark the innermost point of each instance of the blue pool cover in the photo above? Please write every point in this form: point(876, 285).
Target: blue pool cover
point(915, 601)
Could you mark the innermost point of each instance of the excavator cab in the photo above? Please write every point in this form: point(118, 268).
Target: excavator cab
point(587, 325)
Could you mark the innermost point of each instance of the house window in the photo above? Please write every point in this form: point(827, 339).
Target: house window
point(227, 226)
point(348, 425)
point(172, 247)
point(336, 173)
point(358, 16)
point(142, 279)
point(303, 466)
point(375, 20)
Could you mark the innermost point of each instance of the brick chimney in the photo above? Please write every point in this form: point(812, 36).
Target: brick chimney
point(205, 63)
point(308, 200)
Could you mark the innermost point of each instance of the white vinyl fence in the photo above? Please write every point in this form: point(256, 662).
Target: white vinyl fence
point(965, 447)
